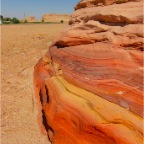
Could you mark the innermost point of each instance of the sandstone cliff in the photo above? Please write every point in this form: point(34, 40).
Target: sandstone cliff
point(90, 82)
point(56, 17)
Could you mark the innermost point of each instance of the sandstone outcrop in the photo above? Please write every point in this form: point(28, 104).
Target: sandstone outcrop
point(90, 82)
point(56, 18)
point(21, 20)
point(30, 19)
point(94, 3)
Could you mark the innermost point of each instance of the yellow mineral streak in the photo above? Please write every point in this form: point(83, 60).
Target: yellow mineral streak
point(98, 111)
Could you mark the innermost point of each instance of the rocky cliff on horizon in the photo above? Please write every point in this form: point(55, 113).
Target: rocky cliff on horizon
point(90, 82)
point(30, 19)
point(53, 17)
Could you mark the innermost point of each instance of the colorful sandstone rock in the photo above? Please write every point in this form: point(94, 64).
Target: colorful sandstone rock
point(90, 82)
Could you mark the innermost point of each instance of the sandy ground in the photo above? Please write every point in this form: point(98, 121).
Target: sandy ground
point(22, 47)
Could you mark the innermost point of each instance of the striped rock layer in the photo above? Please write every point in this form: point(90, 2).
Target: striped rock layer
point(90, 82)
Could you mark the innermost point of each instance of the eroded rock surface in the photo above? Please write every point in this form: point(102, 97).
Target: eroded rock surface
point(90, 82)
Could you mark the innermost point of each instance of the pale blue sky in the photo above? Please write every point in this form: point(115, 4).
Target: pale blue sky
point(17, 8)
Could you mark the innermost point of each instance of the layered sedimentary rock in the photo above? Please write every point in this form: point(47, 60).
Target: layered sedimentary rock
point(56, 18)
point(90, 82)
point(94, 3)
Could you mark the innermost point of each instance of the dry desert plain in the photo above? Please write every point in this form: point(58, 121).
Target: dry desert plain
point(21, 48)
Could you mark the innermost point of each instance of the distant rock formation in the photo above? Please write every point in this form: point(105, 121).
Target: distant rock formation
point(30, 19)
point(56, 17)
point(21, 20)
point(90, 82)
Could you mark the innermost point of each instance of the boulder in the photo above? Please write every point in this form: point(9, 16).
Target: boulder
point(90, 82)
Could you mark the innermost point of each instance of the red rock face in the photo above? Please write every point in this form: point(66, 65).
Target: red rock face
point(90, 82)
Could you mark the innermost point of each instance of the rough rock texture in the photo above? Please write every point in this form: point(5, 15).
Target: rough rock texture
point(56, 17)
point(94, 3)
point(90, 82)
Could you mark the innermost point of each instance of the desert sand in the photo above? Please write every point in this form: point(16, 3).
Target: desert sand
point(22, 47)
